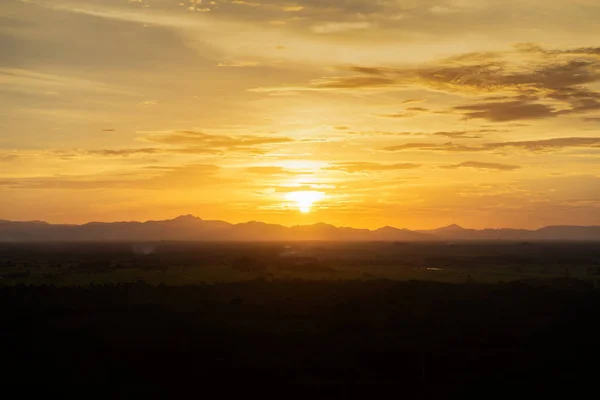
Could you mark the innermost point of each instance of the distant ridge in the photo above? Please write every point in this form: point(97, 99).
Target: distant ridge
point(450, 228)
point(192, 228)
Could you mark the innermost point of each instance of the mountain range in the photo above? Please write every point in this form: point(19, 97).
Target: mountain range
point(191, 228)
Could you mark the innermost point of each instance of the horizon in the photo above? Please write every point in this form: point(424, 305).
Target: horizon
point(456, 226)
point(414, 114)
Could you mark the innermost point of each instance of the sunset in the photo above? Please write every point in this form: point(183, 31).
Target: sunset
point(304, 199)
point(414, 114)
point(369, 196)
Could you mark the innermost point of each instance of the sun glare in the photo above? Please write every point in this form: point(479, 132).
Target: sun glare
point(305, 199)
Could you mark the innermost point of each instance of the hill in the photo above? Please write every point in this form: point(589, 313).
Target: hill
point(191, 228)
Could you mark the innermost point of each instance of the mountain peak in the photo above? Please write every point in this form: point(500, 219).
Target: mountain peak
point(187, 217)
point(387, 228)
point(451, 228)
point(322, 225)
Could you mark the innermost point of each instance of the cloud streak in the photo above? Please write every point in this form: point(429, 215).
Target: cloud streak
point(555, 144)
point(358, 167)
point(508, 111)
point(550, 144)
point(483, 166)
point(169, 178)
point(197, 138)
point(273, 170)
point(533, 82)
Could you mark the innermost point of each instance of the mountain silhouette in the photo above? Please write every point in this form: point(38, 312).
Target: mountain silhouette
point(192, 228)
point(451, 228)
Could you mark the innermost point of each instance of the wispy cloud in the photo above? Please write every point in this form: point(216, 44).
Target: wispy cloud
point(200, 138)
point(239, 64)
point(272, 170)
point(168, 178)
point(535, 83)
point(484, 166)
point(554, 144)
point(354, 167)
point(31, 81)
point(509, 111)
point(337, 27)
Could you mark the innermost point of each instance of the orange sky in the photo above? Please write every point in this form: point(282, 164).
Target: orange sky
point(411, 113)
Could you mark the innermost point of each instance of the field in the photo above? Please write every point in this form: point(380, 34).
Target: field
point(342, 320)
point(181, 263)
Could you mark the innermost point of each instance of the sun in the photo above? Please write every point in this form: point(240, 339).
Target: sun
point(305, 199)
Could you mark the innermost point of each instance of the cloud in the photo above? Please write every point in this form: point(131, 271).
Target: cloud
point(217, 148)
point(185, 142)
point(369, 70)
point(169, 178)
point(534, 48)
point(300, 188)
point(526, 83)
point(195, 142)
point(408, 112)
point(62, 183)
point(246, 3)
point(354, 82)
point(144, 151)
point(446, 147)
point(398, 115)
point(8, 158)
point(549, 144)
point(239, 64)
point(150, 103)
point(509, 73)
point(385, 133)
point(337, 27)
point(458, 134)
point(353, 167)
point(184, 176)
point(158, 151)
point(32, 81)
point(292, 8)
point(122, 152)
point(484, 166)
point(554, 144)
point(333, 83)
point(272, 170)
point(197, 138)
point(584, 105)
point(467, 134)
point(508, 111)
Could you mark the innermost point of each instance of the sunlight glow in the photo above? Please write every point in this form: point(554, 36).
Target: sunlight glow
point(305, 199)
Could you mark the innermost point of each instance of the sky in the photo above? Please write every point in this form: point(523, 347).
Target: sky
point(362, 113)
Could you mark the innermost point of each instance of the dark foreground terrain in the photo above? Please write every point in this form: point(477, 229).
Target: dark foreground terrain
point(263, 336)
point(185, 263)
point(403, 338)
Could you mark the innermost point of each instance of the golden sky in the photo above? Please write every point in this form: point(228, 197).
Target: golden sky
point(409, 113)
